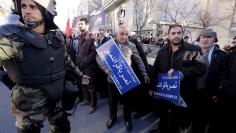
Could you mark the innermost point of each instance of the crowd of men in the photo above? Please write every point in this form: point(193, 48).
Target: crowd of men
point(50, 74)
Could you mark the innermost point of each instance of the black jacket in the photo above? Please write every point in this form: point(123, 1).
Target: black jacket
point(229, 78)
point(188, 59)
point(215, 71)
point(143, 57)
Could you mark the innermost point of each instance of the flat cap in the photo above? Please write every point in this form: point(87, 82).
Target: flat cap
point(209, 33)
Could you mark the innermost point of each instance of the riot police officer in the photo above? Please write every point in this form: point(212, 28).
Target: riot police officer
point(35, 58)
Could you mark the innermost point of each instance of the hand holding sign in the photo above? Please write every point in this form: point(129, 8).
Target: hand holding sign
point(168, 87)
point(85, 80)
point(170, 72)
point(121, 73)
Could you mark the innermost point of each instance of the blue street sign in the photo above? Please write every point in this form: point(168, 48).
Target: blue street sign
point(121, 73)
point(168, 88)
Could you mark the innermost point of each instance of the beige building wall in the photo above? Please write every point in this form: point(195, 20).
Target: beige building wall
point(226, 29)
point(2, 15)
point(153, 19)
point(112, 9)
point(222, 9)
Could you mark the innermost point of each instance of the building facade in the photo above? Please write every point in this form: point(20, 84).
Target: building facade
point(194, 15)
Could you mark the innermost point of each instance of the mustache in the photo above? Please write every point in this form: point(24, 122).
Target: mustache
point(177, 38)
point(27, 16)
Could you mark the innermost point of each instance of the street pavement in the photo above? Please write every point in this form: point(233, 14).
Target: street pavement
point(81, 121)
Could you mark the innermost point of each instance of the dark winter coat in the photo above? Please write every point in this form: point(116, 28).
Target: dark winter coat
point(188, 60)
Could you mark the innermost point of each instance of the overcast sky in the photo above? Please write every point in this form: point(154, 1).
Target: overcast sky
point(64, 9)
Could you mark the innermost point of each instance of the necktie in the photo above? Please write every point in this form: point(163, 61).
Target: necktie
point(206, 57)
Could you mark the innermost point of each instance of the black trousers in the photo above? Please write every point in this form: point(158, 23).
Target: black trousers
point(115, 96)
point(173, 118)
point(227, 118)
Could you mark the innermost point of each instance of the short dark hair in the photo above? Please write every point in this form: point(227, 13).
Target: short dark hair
point(85, 20)
point(175, 25)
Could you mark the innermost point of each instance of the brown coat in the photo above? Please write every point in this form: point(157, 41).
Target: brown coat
point(85, 58)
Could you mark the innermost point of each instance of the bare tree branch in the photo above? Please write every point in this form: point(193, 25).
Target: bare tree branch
point(182, 12)
point(142, 13)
